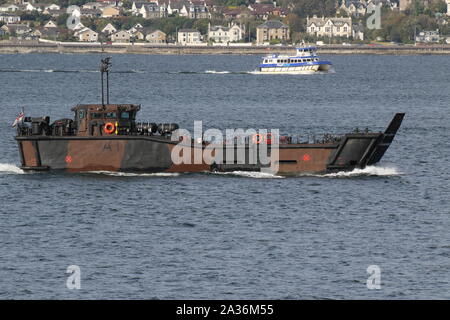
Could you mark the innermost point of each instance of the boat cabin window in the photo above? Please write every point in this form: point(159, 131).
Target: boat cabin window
point(111, 115)
point(96, 115)
point(81, 114)
point(125, 115)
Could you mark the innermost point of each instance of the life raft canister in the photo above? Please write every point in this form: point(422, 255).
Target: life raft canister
point(109, 128)
point(269, 138)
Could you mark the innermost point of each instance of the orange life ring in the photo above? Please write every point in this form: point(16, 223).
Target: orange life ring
point(109, 128)
point(258, 138)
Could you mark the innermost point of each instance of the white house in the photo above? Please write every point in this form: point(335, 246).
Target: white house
point(109, 29)
point(135, 28)
point(156, 36)
point(86, 35)
point(193, 11)
point(174, 7)
point(152, 10)
point(428, 37)
point(93, 5)
point(121, 36)
point(353, 7)
point(50, 24)
point(52, 7)
point(189, 36)
point(358, 32)
point(329, 27)
point(220, 34)
point(137, 6)
point(9, 8)
point(9, 18)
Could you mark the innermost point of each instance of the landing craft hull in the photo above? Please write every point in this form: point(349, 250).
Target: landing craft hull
point(154, 154)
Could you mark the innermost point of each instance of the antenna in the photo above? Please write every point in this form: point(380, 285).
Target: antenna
point(104, 68)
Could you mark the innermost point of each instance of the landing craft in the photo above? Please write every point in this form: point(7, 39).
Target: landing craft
point(107, 137)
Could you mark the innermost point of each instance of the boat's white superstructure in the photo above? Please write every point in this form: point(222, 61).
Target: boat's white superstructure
point(305, 61)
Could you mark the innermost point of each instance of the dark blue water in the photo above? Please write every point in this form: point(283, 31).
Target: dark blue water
point(237, 236)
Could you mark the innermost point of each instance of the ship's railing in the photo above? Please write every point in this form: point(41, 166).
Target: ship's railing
point(41, 126)
point(283, 139)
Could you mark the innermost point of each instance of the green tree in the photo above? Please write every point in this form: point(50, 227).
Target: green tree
point(438, 6)
point(61, 20)
point(305, 8)
point(201, 25)
point(127, 4)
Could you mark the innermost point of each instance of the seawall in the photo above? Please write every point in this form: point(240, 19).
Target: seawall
point(39, 47)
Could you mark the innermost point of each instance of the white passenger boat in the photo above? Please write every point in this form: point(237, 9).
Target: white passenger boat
point(306, 60)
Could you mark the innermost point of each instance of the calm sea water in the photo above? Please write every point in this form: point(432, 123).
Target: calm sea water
point(239, 236)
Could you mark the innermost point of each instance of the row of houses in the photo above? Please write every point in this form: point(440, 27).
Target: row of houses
point(91, 9)
point(218, 34)
point(358, 8)
point(233, 32)
point(84, 34)
point(265, 33)
point(136, 33)
point(9, 18)
point(156, 9)
point(201, 9)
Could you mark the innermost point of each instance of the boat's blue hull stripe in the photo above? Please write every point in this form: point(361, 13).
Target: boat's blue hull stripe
point(285, 65)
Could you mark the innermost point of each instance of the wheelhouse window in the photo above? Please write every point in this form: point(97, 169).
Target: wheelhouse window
point(81, 114)
point(96, 115)
point(111, 115)
point(125, 115)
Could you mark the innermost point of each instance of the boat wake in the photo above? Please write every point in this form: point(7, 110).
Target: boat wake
point(250, 174)
point(212, 72)
point(6, 168)
point(366, 172)
point(254, 72)
point(208, 72)
point(219, 72)
point(377, 171)
point(132, 174)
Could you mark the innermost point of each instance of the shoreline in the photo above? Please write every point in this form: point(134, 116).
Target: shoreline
point(26, 47)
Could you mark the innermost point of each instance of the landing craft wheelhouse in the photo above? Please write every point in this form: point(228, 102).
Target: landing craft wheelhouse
point(306, 60)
